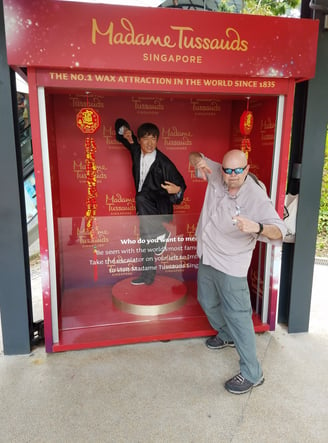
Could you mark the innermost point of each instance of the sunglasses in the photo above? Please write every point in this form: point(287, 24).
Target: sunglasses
point(237, 171)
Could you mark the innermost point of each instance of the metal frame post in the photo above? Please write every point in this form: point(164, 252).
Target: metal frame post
point(15, 288)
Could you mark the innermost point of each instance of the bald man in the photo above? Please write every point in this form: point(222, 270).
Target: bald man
point(236, 213)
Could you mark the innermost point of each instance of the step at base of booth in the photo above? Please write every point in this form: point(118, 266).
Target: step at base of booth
point(113, 335)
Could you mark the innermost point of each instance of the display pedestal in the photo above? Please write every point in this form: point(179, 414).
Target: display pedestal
point(165, 295)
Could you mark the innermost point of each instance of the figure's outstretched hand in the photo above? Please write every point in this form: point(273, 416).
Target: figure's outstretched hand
point(122, 128)
point(127, 134)
point(203, 168)
point(171, 188)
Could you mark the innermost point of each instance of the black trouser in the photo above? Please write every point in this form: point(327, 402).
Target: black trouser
point(149, 206)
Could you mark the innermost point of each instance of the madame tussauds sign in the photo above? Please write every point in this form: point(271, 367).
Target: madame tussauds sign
point(42, 33)
point(181, 37)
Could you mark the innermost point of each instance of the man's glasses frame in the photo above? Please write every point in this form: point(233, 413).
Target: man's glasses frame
point(237, 171)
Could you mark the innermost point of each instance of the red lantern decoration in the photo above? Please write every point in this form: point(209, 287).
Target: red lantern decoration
point(88, 121)
point(246, 145)
point(246, 125)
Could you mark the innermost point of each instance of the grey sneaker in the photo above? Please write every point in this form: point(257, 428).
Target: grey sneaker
point(217, 343)
point(240, 385)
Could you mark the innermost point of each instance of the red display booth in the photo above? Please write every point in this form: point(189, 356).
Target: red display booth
point(210, 82)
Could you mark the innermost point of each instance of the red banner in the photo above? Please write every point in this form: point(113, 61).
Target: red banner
point(49, 33)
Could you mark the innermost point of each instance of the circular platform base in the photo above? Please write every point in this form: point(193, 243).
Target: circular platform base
point(165, 295)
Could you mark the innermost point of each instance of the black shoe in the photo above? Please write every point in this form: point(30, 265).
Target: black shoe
point(240, 385)
point(138, 281)
point(217, 343)
point(163, 243)
point(142, 281)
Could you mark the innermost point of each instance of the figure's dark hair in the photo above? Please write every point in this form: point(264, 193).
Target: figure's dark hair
point(148, 129)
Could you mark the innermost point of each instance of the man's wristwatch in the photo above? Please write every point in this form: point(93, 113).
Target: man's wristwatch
point(260, 229)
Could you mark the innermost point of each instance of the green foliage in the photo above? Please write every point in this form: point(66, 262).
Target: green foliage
point(225, 6)
point(323, 213)
point(259, 7)
point(269, 7)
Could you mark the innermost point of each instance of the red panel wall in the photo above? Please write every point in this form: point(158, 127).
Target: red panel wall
point(186, 124)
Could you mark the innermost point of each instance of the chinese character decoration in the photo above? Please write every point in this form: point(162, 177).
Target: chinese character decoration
point(88, 121)
point(246, 125)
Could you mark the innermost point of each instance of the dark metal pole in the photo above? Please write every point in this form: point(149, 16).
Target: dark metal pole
point(15, 286)
point(298, 269)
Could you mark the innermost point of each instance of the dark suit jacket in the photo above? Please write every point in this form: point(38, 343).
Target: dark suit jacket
point(161, 170)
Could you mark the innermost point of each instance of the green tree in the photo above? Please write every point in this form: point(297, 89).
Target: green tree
point(259, 7)
point(322, 238)
point(227, 6)
point(323, 214)
point(269, 7)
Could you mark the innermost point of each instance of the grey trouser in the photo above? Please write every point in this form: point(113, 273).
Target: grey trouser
point(226, 302)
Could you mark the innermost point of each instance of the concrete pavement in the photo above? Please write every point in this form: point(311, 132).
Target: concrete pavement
point(170, 392)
